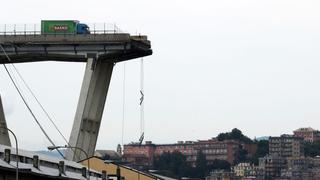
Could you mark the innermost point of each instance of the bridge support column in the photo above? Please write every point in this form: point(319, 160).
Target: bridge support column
point(91, 103)
point(4, 135)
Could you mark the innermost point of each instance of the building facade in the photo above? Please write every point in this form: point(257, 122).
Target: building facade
point(308, 134)
point(139, 155)
point(286, 146)
point(222, 175)
point(186, 148)
point(213, 149)
point(247, 170)
point(297, 168)
point(272, 165)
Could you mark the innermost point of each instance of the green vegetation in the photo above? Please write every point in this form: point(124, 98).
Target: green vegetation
point(201, 168)
point(242, 156)
point(235, 134)
point(220, 164)
point(312, 149)
point(262, 150)
point(175, 165)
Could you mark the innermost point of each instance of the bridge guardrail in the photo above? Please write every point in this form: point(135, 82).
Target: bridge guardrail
point(35, 29)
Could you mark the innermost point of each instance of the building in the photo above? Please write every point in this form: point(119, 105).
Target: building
point(33, 165)
point(297, 168)
point(290, 168)
point(186, 148)
point(142, 155)
point(286, 146)
point(250, 148)
point(116, 170)
point(139, 155)
point(241, 168)
point(213, 149)
point(315, 167)
point(247, 170)
point(271, 165)
point(222, 175)
point(308, 134)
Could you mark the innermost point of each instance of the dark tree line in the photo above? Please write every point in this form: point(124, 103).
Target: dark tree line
point(262, 150)
point(175, 165)
point(235, 134)
point(312, 149)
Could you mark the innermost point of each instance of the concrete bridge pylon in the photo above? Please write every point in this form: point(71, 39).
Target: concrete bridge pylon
point(90, 107)
point(4, 135)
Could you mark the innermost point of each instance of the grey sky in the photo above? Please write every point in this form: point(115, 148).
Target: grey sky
point(250, 64)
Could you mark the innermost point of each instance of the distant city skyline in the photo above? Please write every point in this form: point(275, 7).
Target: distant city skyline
point(217, 65)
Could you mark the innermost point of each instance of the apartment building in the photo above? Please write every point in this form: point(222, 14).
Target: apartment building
point(308, 134)
point(227, 150)
point(272, 165)
point(213, 149)
point(247, 170)
point(186, 148)
point(286, 146)
point(139, 155)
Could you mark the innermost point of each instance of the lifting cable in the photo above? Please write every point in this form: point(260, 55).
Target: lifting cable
point(123, 100)
point(23, 99)
point(141, 102)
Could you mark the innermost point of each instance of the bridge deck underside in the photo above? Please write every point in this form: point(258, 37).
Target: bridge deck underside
point(72, 48)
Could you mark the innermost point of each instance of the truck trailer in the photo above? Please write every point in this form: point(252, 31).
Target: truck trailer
point(63, 27)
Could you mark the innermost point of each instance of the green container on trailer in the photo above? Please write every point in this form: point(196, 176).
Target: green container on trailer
point(59, 26)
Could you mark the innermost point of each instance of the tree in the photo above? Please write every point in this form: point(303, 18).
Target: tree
point(312, 149)
point(242, 155)
point(219, 164)
point(175, 165)
point(262, 150)
point(201, 165)
point(173, 162)
point(235, 134)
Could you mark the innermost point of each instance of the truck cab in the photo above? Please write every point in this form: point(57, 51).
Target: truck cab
point(82, 29)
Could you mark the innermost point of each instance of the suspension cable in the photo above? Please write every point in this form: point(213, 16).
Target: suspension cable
point(25, 102)
point(41, 106)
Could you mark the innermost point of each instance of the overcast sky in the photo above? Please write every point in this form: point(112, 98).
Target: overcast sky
point(217, 65)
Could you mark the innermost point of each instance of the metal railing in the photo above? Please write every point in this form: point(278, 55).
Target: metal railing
point(35, 29)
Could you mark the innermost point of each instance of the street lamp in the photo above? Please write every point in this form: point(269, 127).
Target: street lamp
point(17, 154)
point(51, 148)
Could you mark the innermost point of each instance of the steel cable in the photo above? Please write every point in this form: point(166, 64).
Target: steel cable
point(25, 102)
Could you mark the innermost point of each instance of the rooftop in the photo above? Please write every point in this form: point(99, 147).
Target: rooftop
point(48, 165)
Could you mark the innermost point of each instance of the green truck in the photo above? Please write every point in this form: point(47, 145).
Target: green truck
point(63, 27)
